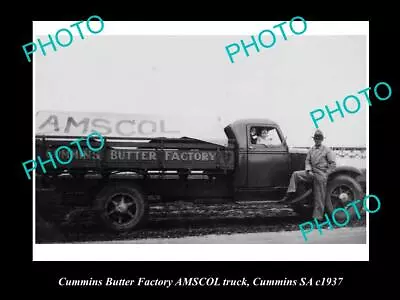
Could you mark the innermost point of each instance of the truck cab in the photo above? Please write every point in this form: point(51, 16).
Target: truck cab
point(263, 164)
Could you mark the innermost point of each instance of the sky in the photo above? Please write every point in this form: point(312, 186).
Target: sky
point(192, 76)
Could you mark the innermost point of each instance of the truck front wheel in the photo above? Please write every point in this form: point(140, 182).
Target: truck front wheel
point(344, 190)
point(341, 190)
point(122, 208)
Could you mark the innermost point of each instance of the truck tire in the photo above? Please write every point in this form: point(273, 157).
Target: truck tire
point(122, 208)
point(341, 190)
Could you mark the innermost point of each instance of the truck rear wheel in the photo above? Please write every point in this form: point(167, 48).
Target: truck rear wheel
point(122, 207)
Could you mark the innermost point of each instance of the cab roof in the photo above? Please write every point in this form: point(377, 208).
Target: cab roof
point(244, 122)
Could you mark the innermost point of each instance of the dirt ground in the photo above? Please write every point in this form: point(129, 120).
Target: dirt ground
point(347, 235)
point(187, 220)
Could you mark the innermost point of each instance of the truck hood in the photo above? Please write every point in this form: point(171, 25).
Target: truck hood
point(294, 150)
point(298, 158)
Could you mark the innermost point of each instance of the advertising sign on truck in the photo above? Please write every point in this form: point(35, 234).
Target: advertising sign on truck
point(56, 123)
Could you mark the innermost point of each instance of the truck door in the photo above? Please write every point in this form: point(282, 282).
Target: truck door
point(268, 162)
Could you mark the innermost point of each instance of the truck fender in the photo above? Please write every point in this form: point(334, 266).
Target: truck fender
point(347, 170)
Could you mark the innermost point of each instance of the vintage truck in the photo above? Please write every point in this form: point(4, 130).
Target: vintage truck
point(128, 173)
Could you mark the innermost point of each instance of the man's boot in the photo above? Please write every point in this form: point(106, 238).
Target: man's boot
point(288, 198)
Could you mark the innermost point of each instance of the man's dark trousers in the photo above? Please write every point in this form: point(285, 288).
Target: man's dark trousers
point(319, 180)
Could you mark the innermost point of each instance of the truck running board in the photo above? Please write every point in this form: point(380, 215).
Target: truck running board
point(302, 197)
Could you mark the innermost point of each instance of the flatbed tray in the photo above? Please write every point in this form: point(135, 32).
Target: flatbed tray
point(130, 154)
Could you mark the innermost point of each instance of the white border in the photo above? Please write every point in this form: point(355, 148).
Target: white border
point(206, 27)
point(367, 138)
point(202, 252)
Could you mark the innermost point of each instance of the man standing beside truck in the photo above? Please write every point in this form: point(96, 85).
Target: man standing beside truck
point(320, 162)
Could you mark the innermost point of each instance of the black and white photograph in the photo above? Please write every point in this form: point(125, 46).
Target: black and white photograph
point(207, 134)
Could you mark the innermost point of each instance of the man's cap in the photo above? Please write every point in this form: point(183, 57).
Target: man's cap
point(318, 134)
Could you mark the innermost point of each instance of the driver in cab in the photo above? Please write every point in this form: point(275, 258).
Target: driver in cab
point(264, 138)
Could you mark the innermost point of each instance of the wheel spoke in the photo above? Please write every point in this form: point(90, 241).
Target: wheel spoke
point(335, 193)
point(335, 200)
point(340, 190)
point(130, 214)
point(112, 211)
